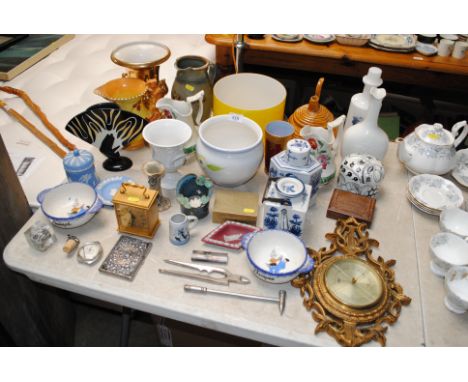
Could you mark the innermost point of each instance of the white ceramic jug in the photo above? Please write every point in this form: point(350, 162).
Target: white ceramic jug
point(324, 145)
point(367, 137)
point(182, 110)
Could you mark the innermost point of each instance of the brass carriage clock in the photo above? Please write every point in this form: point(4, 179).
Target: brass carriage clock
point(136, 210)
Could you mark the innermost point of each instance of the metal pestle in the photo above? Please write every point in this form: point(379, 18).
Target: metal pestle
point(281, 300)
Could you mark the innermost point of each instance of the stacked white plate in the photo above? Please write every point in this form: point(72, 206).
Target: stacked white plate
point(402, 43)
point(432, 193)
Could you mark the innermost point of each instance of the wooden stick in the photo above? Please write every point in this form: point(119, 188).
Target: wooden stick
point(53, 146)
point(37, 110)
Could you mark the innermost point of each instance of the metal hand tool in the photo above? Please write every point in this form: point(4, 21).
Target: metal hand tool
point(281, 300)
point(209, 256)
point(213, 275)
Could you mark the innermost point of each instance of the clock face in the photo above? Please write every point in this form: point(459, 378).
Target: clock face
point(354, 283)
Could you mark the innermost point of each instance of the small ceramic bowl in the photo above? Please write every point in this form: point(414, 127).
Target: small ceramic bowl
point(276, 256)
point(454, 220)
point(456, 286)
point(69, 205)
point(353, 39)
point(447, 250)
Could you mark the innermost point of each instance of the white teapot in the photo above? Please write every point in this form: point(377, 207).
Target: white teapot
point(430, 149)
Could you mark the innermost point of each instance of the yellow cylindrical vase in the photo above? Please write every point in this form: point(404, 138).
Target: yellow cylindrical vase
point(256, 96)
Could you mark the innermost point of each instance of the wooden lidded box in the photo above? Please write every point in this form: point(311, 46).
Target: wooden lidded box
point(344, 204)
point(136, 210)
point(235, 205)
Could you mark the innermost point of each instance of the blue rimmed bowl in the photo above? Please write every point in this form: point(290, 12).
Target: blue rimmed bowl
point(69, 205)
point(276, 256)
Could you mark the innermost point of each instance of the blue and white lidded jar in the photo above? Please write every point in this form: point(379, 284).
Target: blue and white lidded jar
point(79, 167)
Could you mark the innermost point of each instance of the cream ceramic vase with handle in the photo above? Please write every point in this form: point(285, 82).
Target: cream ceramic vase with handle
point(431, 149)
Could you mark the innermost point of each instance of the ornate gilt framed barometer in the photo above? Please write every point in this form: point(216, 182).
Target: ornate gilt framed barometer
point(351, 294)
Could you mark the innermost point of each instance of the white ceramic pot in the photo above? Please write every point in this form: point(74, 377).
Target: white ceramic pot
point(69, 205)
point(230, 149)
point(430, 149)
point(276, 256)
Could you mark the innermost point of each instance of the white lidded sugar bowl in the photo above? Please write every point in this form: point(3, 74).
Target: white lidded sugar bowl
point(430, 149)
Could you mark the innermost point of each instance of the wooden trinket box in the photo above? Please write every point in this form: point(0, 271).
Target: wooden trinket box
point(344, 204)
point(235, 205)
point(136, 210)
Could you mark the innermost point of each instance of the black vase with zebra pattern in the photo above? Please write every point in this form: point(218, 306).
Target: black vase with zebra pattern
point(110, 129)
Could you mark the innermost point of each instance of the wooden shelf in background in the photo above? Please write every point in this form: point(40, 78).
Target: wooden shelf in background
point(409, 68)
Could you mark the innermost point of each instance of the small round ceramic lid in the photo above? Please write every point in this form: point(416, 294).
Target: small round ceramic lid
point(434, 134)
point(290, 187)
point(78, 160)
point(298, 151)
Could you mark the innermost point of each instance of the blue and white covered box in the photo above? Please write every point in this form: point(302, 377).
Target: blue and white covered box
point(285, 204)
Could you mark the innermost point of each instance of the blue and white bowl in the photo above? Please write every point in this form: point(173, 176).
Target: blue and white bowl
point(69, 205)
point(276, 256)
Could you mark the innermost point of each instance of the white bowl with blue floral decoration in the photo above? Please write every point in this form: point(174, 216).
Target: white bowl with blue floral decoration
point(276, 256)
point(447, 250)
point(454, 220)
point(434, 192)
point(69, 205)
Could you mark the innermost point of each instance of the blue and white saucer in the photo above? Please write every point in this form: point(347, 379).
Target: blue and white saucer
point(107, 188)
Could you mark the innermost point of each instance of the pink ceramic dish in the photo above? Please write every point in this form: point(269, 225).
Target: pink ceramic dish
point(229, 234)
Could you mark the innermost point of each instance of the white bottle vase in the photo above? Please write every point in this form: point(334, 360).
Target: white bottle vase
point(359, 104)
point(367, 137)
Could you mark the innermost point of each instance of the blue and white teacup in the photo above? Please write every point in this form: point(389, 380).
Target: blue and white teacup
point(179, 228)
